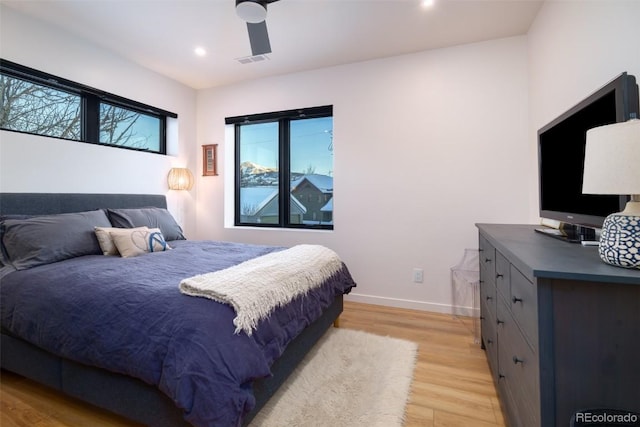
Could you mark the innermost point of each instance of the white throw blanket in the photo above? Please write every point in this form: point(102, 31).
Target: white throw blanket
point(257, 286)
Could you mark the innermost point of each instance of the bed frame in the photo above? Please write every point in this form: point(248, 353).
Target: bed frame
point(121, 394)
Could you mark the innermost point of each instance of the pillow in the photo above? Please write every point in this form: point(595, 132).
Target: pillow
point(4, 258)
point(30, 242)
point(132, 242)
point(105, 240)
point(147, 217)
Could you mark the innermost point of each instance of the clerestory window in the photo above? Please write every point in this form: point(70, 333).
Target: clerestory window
point(42, 104)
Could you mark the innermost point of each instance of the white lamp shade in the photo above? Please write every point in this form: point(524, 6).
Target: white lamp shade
point(180, 179)
point(612, 159)
point(251, 11)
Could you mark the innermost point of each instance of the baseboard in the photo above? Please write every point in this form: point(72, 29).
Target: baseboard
point(411, 304)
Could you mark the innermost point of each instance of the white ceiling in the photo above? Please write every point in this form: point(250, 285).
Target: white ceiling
point(305, 34)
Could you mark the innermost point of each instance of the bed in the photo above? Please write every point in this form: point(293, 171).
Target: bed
point(116, 331)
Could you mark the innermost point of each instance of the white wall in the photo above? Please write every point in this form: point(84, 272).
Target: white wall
point(574, 49)
point(426, 145)
point(39, 164)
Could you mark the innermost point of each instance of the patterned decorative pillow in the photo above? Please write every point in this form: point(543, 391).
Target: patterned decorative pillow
point(132, 242)
point(106, 242)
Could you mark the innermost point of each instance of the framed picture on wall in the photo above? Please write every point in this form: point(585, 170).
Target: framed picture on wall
point(210, 160)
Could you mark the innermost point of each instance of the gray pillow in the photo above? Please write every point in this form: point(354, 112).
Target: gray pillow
point(50, 238)
point(147, 217)
point(4, 258)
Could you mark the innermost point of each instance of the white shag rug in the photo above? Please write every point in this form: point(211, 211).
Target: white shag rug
point(350, 379)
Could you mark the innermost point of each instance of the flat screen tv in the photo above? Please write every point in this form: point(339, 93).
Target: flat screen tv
point(561, 147)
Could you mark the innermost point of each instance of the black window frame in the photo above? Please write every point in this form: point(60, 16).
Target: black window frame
point(283, 118)
point(91, 98)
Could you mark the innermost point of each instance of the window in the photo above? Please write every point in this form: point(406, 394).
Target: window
point(42, 104)
point(33, 108)
point(129, 128)
point(284, 153)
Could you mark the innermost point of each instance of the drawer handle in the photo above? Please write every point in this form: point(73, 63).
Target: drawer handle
point(489, 298)
point(500, 376)
point(499, 322)
point(487, 260)
point(516, 360)
point(482, 317)
point(516, 299)
point(499, 276)
point(489, 341)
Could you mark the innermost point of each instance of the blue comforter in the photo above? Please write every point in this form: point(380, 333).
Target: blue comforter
point(127, 315)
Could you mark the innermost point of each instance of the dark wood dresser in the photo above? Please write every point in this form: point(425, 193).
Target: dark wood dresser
point(561, 329)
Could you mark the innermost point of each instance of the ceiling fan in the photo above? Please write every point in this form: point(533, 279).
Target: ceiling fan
point(254, 12)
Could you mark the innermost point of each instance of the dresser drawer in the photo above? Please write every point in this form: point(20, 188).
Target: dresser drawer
point(518, 363)
point(487, 259)
point(502, 275)
point(524, 306)
point(489, 338)
point(488, 296)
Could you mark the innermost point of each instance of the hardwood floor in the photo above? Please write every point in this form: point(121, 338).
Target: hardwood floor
point(452, 385)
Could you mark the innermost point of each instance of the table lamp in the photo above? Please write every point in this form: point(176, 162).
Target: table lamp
point(612, 166)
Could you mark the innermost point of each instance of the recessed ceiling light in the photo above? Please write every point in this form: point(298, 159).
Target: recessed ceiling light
point(200, 51)
point(427, 3)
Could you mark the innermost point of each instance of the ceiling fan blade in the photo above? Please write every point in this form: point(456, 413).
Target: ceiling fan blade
point(259, 38)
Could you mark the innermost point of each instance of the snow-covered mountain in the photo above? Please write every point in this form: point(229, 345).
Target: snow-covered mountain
point(250, 168)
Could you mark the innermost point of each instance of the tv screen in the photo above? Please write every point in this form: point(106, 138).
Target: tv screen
point(561, 148)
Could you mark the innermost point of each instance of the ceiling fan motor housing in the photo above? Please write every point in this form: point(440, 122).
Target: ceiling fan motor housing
point(252, 11)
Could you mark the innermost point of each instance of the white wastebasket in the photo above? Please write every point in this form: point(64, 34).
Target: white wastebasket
point(465, 289)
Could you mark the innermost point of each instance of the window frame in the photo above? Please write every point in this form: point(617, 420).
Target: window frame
point(283, 118)
point(90, 101)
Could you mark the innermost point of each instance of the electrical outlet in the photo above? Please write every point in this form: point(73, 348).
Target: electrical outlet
point(418, 275)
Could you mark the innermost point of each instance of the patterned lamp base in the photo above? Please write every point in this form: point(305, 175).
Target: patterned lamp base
point(620, 240)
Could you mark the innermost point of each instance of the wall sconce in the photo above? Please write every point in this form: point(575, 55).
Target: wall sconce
point(180, 179)
point(612, 166)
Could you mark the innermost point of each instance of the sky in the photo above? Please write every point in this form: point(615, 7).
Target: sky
point(311, 145)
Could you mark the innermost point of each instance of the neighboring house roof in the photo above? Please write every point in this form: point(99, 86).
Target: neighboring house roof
point(328, 207)
point(323, 183)
point(257, 197)
point(300, 206)
point(261, 196)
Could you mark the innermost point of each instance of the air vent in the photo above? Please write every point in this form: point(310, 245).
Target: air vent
point(251, 59)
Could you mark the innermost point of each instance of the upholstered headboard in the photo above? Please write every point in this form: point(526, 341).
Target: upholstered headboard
point(55, 203)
